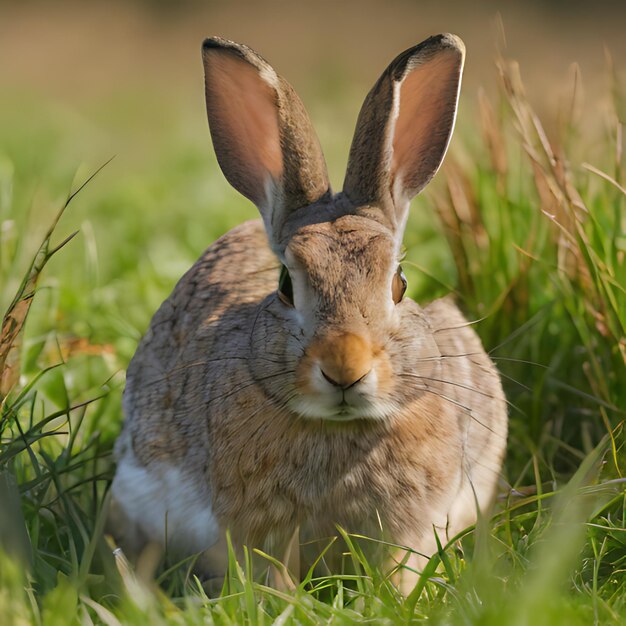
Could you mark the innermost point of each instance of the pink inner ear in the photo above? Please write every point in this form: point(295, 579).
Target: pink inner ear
point(243, 117)
point(428, 97)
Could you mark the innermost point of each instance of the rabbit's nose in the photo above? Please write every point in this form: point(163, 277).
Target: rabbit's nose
point(343, 386)
point(345, 360)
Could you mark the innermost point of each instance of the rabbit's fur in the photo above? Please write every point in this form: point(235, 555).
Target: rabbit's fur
point(337, 402)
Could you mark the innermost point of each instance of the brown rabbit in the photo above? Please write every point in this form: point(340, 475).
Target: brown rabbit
point(280, 404)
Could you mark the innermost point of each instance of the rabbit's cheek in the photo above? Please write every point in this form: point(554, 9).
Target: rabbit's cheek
point(384, 374)
point(304, 383)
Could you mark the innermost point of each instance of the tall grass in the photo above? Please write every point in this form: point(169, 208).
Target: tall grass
point(536, 249)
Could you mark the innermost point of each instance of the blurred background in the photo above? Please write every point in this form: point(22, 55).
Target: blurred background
point(77, 51)
point(80, 50)
point(84, 81)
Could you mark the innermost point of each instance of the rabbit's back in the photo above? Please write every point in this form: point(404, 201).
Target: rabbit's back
point(214, 302)
point(178, 369)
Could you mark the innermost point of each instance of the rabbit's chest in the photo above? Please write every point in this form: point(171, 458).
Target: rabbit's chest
point(319, 478)
point(272, 491)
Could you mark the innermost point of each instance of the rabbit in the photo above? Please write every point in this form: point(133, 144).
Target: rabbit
point(287, 387)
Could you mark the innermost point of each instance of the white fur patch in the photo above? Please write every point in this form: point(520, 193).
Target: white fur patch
point(330, 403)
point(166, 504)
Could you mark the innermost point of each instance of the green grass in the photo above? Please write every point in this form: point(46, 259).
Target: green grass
point(533, 243)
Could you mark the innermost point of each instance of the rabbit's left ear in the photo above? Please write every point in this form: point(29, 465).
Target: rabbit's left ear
point(262, 135)
point(404, 127)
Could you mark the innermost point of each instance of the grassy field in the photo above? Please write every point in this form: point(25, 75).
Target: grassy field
point(529, 232)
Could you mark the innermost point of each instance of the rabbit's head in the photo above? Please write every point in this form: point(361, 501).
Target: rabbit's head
point(344, 333)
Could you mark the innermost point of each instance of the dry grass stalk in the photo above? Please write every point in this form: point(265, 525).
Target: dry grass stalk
point(562, 204)
point(461, 218)
point(494, 139)
point(12, 328)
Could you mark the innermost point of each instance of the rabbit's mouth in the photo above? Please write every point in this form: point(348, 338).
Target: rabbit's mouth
point(324, 399)
point(320, 408)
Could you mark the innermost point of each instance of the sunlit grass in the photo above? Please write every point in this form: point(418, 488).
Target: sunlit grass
point(534, 245)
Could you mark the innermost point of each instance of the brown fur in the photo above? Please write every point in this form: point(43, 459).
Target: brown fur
point(228, 384)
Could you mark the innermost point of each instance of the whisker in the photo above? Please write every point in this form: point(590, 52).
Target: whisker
point(517, 382)
point(281, 356)
point(464, 325)
point(522, 329)
point(442, 357)
point(256, 319)
point(512, 360)
point(231, 392)
point(493, 357)
point(475, 461)
point(588, 396)
point(483, 366)
point(281, 373)
point(247, 384)
point(467, 387)
point(182, 368)
point(467, 409)
point(282, 361)
point(555, 381)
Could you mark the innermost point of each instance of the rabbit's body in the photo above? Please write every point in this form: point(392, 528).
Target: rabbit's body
point(281, 415)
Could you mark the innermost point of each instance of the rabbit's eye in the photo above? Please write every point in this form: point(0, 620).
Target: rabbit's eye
point(398, 286)
point(285, 288)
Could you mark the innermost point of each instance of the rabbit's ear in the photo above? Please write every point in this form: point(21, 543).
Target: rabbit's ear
point(262, 135)
point(404, 127)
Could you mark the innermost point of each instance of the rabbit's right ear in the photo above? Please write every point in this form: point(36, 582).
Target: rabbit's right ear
point(404, 128)
point(262, 135)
